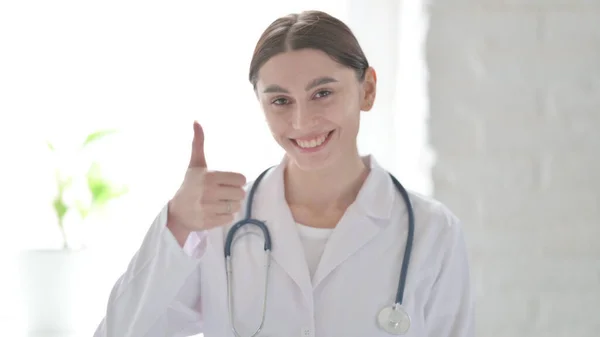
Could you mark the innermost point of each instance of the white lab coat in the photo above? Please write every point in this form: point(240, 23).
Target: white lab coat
point(170, 291)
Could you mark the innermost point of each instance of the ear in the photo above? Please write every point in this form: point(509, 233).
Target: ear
point(368, 90)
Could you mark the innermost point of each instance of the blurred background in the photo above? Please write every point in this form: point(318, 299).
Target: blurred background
point(490, 106)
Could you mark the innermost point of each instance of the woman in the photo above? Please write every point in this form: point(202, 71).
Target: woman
point(337, 223)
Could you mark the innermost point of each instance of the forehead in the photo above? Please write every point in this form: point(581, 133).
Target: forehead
point(296, 68)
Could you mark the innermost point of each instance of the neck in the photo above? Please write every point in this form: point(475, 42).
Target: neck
point(335, 187)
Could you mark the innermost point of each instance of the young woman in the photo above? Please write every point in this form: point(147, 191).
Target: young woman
point(338, 224)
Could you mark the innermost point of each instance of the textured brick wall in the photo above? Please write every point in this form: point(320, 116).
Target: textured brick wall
point(515, 123)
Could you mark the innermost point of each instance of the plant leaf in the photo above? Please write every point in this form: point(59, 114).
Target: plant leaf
point(101, 189)
point(95, 136)
point(60, 208)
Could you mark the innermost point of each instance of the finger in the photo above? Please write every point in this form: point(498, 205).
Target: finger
point(197, 158)
point(225, 178)
point(219, 220)
point(224, 193)
point(226, 207)
point(220, 208)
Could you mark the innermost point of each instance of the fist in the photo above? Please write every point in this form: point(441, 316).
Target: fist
point(205, 199)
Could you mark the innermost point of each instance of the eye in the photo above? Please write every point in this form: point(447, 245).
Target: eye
point(322, 93)
point(280, 101)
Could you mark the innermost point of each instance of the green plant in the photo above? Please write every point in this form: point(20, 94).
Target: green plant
point(100, 190)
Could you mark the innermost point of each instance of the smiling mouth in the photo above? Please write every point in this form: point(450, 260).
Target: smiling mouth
point(314, 143)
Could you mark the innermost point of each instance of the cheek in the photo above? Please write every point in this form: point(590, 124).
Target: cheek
point(270, 116)
point(277, 124)
point(342, 110)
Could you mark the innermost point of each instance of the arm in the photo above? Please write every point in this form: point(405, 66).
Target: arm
point(159, 292)
point(450, 309)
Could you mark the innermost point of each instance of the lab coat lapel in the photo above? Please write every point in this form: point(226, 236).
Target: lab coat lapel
point(287, 249)
point(363, 220)
point(352, 233)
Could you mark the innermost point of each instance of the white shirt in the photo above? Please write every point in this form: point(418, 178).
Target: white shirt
point(313, 243)
point(175, 292)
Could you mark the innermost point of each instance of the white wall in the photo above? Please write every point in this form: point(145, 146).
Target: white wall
point(515, 112)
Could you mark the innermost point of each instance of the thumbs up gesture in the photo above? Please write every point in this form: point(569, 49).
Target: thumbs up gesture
point(206, 199)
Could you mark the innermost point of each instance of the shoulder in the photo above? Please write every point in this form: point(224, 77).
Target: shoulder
point(438, 229)
point(434, 212)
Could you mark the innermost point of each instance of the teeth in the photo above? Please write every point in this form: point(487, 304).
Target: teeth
point(307, 144)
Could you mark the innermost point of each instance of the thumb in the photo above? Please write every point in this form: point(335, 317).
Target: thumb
point(197, 158)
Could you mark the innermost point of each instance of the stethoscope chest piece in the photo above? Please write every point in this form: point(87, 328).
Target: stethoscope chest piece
point(394, 320)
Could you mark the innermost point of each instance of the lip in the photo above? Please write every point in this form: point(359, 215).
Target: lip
point(314, 149)
point(311, 136)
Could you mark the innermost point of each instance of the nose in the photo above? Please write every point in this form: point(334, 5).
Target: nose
point(303, 117)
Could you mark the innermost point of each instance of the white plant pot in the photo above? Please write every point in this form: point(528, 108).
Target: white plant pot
point(54, 286)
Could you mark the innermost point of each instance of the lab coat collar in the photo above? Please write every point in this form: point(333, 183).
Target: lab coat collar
point(376, 197)
point(361, 223)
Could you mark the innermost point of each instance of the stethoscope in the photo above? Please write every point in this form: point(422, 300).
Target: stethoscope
point(392, 319)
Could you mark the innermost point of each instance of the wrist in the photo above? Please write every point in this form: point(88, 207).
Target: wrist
point(179, 231)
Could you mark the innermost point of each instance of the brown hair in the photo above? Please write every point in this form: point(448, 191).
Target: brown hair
point(309, 29)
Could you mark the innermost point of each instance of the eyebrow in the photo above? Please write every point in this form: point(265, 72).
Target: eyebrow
point(314, 83)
